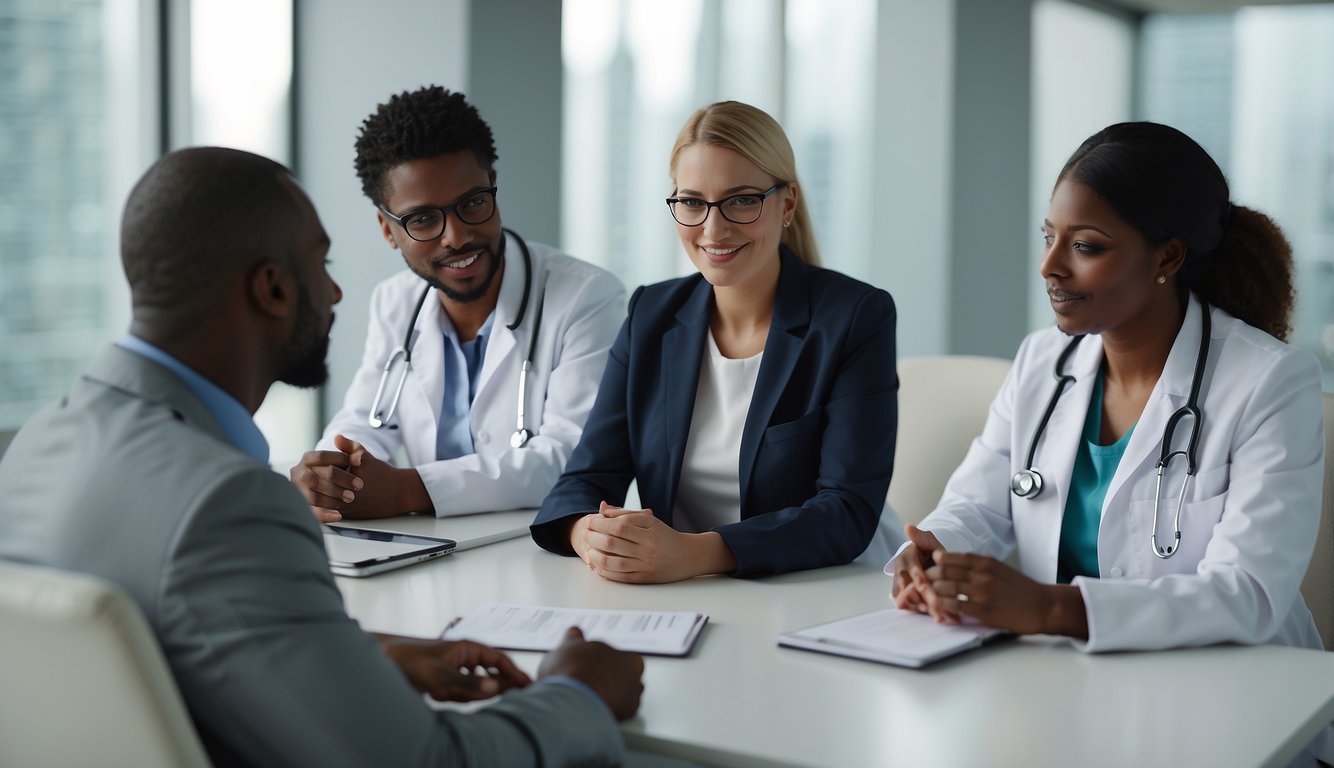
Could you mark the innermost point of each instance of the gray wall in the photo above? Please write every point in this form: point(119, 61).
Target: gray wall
point(989, 248)
point(351, 56)
point(515, 82)
point(953, 229)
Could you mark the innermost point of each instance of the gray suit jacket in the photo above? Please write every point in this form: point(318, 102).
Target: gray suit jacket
point(130, 478)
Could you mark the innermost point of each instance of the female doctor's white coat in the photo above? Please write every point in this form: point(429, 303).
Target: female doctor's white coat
point(1251, 510)
point(583, 311)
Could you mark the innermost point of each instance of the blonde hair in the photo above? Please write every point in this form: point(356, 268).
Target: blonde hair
point(753, 134)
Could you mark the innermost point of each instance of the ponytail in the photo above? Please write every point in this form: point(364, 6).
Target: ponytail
point(1166, 186)
point(1249, 275)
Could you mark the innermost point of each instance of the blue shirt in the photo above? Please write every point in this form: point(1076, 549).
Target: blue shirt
point(463, 365)
point(1095, 465)
point(236, 422)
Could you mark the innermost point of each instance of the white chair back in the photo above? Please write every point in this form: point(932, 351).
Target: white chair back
point(82, 680)
point(943, 405)
point(1318, 586)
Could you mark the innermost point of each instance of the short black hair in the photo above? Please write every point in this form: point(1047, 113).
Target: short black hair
point(419, 125)
point(197, 217)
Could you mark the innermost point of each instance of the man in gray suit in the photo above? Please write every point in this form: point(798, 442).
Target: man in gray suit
point(152, 474)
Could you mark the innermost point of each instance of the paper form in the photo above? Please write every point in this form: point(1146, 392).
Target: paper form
point(541, 628)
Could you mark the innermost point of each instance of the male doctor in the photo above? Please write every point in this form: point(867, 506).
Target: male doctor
point(482, 357)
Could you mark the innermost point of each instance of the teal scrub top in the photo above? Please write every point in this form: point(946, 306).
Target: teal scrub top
point(1095, 465)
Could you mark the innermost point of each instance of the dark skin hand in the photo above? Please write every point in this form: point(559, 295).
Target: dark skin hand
point(614, 675)
point(950, 585)
point(453, 671)
point(351, 482)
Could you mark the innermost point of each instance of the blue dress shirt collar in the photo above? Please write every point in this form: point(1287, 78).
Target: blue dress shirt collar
point(236, 422)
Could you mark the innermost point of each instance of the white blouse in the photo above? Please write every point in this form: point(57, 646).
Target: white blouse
point(709, 493)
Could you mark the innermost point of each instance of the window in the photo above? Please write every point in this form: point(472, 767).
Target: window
point(1074, 96)
point(73, 122)
point(1253, 88)
point(239, 95)
point(634, 72)
point(79, 123)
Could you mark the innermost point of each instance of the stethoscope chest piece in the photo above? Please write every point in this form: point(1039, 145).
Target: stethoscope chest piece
point(1026, 483)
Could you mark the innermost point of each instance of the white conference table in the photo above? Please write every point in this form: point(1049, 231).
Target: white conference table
point(739, 700)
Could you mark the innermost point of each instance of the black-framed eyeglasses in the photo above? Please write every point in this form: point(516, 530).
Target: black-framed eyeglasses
point(427, 224)
point(738, 209)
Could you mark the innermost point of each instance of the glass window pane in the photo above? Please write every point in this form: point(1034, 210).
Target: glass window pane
point(1253, 88)
point(1074, 96)
point(634, 71)
point(70, 120)
point(240, 96)
point(830, 119)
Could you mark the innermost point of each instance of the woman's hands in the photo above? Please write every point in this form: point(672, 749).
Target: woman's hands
point(631, 545)
point(911, 590)
point(949, 585)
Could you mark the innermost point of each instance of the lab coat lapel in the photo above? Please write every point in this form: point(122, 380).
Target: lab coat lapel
point(682, 355)
point(503, 341)
point(1169, 394)
point(787, 332)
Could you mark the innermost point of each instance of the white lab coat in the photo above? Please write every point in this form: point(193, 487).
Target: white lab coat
point(583, 311)
point(1251, 511)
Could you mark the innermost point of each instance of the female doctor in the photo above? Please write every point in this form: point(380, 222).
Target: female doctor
point(755, 401)
point(1180, 301)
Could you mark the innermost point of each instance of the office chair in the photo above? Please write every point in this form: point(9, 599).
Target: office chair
point(1318, 586)
point(943, 405)
point(82, 681)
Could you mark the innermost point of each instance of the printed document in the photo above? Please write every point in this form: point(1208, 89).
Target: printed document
point(541, 628)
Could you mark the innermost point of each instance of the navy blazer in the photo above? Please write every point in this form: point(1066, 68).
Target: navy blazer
point(817, 449)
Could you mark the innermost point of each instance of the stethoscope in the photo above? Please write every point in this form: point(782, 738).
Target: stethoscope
point(380, 417)
point(1027, 482)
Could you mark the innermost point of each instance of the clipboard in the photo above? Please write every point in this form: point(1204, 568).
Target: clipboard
point(891, 636)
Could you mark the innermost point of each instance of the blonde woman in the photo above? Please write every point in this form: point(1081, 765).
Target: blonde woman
point(755, 402)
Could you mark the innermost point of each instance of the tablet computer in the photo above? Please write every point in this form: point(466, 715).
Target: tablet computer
point(362, 552)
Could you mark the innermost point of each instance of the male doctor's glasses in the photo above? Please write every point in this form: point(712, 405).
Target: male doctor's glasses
point(738, 209)
point(426, 224)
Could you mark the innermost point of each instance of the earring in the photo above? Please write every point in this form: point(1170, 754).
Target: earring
point(1161, 279)
point(787, 223)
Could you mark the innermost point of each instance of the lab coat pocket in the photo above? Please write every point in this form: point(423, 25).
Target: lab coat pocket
point(1198, 519)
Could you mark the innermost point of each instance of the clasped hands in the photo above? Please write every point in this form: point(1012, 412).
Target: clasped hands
point(950, 585)
point(351, 482)
point(633, 546)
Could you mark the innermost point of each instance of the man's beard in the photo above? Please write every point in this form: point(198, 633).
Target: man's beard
point(307, 347)
point(467, 297)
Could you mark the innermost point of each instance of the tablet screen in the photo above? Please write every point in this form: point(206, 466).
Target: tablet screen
point(357, 546)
